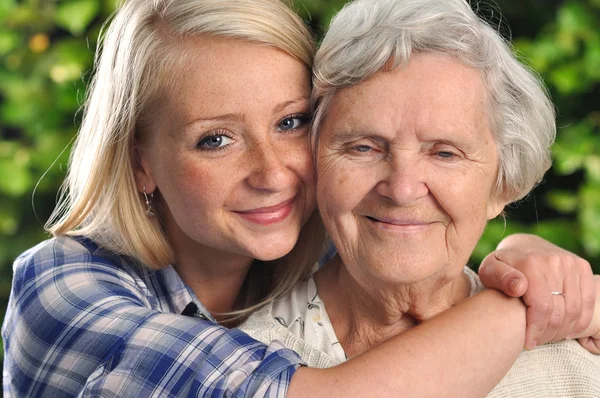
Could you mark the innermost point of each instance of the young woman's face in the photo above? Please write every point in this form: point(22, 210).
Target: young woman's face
point(230, 152)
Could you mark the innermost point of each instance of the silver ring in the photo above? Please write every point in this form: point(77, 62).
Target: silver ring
point(557, 293)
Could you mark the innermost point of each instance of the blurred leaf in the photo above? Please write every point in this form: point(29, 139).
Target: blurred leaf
point(589, 218)
point(5, 7)
point(67, 61)
point(8, 217)
point(542, 53)
point(592, 59)
point(562, 232)
point(573, 144)
point(563, 201)
point(592, 166)
point(9, 40)
point(574, 18)
point(75, 16)
point(15, 180)
point(570, 78)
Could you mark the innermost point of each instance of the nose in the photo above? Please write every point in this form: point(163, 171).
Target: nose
point(403, 182)
point(269, 170)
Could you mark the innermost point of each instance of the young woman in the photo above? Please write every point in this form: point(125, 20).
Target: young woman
point(190, 196)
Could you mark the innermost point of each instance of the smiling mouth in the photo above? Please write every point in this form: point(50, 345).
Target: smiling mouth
point(268, 215)
point(403, 224)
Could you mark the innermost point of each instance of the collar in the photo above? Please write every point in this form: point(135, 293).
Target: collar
point(182, 298)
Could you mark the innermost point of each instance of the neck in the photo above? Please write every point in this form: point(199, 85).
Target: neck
point(366, 313)
point(215, 276)
point(218, 290)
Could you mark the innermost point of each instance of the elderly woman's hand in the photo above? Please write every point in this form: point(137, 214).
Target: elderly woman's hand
point(532, 268)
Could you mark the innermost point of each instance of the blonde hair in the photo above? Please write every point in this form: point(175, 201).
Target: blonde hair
point(99, 198)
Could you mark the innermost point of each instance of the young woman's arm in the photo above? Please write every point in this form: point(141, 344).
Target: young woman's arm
point(538, 267)
point(462, 352)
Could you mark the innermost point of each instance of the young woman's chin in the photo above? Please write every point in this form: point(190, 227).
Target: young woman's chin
point(271, 248)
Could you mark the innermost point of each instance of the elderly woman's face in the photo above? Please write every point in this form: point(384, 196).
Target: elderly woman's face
point(406, 170)
point(229, 153)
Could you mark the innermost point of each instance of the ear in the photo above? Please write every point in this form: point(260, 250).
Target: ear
point(142, 171)
point(496, 204)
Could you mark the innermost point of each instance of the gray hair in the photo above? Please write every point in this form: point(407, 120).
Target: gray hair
point(366, 34)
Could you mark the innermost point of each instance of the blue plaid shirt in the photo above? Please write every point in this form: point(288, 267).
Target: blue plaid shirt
point(84, 322)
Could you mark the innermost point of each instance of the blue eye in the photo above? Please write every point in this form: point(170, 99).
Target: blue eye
point(216, 141)
point(292, 122)
point(445, 154)
point(362, 148)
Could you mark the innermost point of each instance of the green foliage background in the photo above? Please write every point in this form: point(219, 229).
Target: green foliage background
point(46, 54)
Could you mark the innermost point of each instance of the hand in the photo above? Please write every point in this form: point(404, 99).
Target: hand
point(530, 267)
point(591, 341)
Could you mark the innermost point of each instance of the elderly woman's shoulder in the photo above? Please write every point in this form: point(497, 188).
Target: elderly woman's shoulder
point(563, 369)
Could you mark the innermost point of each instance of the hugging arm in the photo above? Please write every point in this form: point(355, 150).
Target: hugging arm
point(77, 324)
point(464, 351)
point(536, 267)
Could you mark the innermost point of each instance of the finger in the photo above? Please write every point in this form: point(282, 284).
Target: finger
point(555, 282)
point(588, 296)
point(496, 272)
point(540, 307)
point(571, 301)
point(590, 344)
point(557, 319)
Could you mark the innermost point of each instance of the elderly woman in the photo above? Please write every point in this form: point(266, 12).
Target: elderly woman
point(426, 127)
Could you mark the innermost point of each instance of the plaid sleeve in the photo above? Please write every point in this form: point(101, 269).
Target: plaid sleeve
point(76, 327)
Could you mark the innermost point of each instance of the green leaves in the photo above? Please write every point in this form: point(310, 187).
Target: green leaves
point(566, 53)
point(75, 16)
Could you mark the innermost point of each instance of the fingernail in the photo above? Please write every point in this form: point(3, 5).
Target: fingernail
point(533, 345)
point(514, 284)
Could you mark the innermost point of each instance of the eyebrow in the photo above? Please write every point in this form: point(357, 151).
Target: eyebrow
point(236, 117)
point(228, 117)
point(348, 136)
point(283, 105)
point(345, 136)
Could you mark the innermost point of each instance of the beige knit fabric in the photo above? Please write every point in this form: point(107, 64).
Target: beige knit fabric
point(560, 370)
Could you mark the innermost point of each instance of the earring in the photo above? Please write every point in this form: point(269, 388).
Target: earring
point(149, 198)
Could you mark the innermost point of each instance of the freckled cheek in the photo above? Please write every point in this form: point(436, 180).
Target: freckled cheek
point(200, 186)
point(298, 155)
